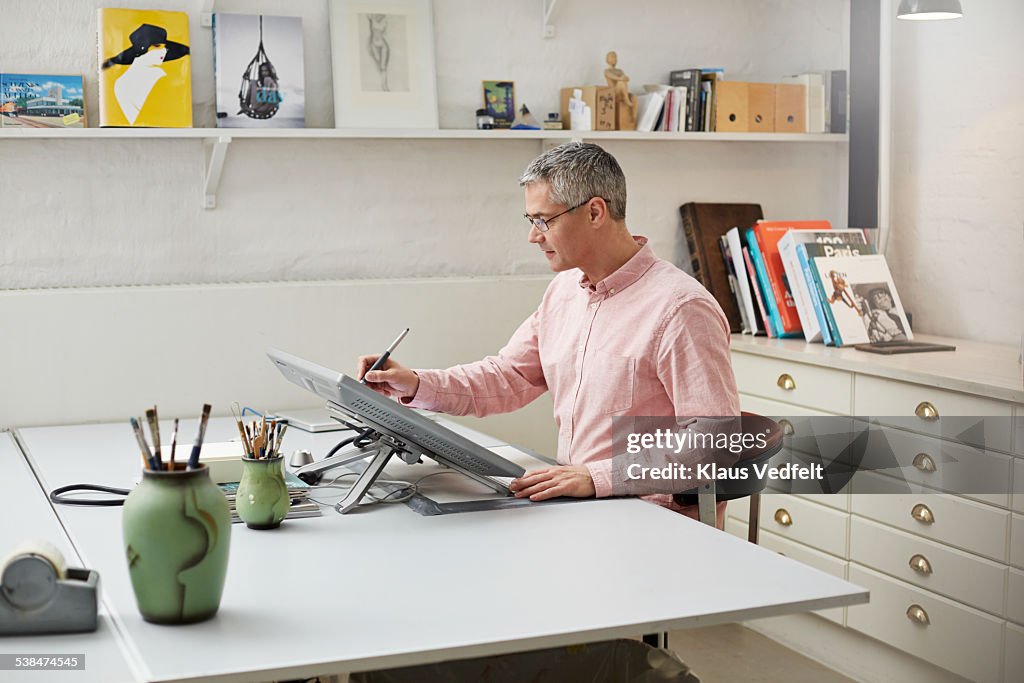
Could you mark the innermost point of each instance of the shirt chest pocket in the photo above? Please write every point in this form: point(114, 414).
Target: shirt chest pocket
point(608, 382)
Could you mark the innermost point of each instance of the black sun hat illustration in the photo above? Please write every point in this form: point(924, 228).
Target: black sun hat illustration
point(143, 38)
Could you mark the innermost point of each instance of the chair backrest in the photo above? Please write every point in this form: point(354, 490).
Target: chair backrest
point(731, 489)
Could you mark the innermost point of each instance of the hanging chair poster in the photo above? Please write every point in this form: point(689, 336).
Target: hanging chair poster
point(145, 68)
point(258, 67)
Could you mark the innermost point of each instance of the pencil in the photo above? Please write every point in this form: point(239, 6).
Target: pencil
point(147, 458)
point(174, 445)
point(193, 458)
point(154, 430)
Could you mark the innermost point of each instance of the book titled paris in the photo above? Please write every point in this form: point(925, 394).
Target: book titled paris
point(258, 69)
point(145, 68)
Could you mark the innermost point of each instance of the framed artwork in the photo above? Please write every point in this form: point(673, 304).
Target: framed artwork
point(500, 102)
point(382, 53)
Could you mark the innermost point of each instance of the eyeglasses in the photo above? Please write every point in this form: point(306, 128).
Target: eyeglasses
point(542, 224)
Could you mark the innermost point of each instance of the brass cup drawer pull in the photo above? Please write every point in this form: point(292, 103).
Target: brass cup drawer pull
point(783, 517)
point(787, 427)
point(917, 615)
point(920, 564)
point(786, 382)
point(924, 462)
point(926, 411)
point(923, 514)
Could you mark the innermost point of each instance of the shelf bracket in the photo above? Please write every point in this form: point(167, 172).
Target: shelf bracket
point(206, 14)
point(548, 8)
point(214, 167)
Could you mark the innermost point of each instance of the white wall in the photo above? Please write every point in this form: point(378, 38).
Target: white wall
point(103, 212)
point(957, 241)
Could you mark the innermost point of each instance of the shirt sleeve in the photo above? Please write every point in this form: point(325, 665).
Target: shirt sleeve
point(693, 361)
point(496, 384)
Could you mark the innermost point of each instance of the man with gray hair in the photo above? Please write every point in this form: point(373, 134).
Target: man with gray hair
point(619, 332)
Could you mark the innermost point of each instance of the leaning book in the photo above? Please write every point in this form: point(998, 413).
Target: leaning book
point(258, 67)
point(145, 68)
point(41, 101)
point(861, 298)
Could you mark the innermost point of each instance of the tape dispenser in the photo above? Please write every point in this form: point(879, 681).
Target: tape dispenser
point(39, 593)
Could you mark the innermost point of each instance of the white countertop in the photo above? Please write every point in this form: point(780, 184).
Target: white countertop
point(984, 369)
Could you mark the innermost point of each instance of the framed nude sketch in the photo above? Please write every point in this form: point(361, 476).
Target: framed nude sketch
point(382, 53)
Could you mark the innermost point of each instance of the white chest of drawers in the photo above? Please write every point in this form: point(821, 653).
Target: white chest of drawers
point(946, 569)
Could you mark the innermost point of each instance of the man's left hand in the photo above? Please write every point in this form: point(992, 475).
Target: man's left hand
point(551, 482)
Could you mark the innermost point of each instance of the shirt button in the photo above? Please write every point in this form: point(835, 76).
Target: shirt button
point(593, 305)
point(611, 291)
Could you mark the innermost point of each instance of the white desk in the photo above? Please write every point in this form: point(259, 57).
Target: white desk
point(384, 587)
point(28, 516)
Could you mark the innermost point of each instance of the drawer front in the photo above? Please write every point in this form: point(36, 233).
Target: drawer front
point(782, 380)
point(1015, 596)
point(886, 399)
point(1014, 663)
point(940, 464)
point(953, 573)
point(838, 501)
point(800, 520)
point(1016, 541)
point(801, 553)
point(958, 638)
point(961, 523)
point(802, 442)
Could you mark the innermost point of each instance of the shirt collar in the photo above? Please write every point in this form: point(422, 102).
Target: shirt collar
point(630, 271)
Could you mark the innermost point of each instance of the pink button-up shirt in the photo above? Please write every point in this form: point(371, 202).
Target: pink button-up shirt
point(646, 340)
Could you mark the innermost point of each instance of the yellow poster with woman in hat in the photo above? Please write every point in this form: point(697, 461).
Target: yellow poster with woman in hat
point(145, 69)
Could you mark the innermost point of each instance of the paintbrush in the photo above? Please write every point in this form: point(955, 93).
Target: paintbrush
point(174, 445)
point(193, 458)
point(147, 457)
point(154, 430)
point(241, 428)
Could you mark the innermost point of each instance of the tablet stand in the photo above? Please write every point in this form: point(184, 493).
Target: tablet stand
point(382, 447)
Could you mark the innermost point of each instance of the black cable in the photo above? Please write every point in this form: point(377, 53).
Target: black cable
point(57, 495)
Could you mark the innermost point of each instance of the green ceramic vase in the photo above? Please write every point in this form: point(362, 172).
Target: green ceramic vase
point(177, 533)
point(262, 498)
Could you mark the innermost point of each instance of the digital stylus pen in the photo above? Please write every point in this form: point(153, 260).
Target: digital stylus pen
point(384, 357)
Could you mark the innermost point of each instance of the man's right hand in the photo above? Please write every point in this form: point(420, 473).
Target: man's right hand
point(394, 379)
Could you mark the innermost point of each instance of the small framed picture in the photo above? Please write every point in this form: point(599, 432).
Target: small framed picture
point(500, 102)
point(383, 60)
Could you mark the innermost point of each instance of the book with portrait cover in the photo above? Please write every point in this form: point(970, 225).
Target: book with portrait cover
point(41, 101)
point(794, 277)
point(258, 67)
point(145, 68)
point(860, 297)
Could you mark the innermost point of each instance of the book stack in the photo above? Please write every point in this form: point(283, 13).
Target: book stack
point(793, 278)
point(686, 104)
point(298, 493)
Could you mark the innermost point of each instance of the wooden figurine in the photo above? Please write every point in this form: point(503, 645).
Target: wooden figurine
point(625, 103)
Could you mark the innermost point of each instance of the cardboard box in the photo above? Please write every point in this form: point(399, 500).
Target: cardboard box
point(790, 108)
point(600, 99)
point(731, 107)
point(761, 107)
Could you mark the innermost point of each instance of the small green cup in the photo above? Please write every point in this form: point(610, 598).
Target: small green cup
point(177, 533)
point(262, 498)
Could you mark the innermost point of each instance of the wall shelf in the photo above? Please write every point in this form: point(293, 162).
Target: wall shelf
point(217, 140)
